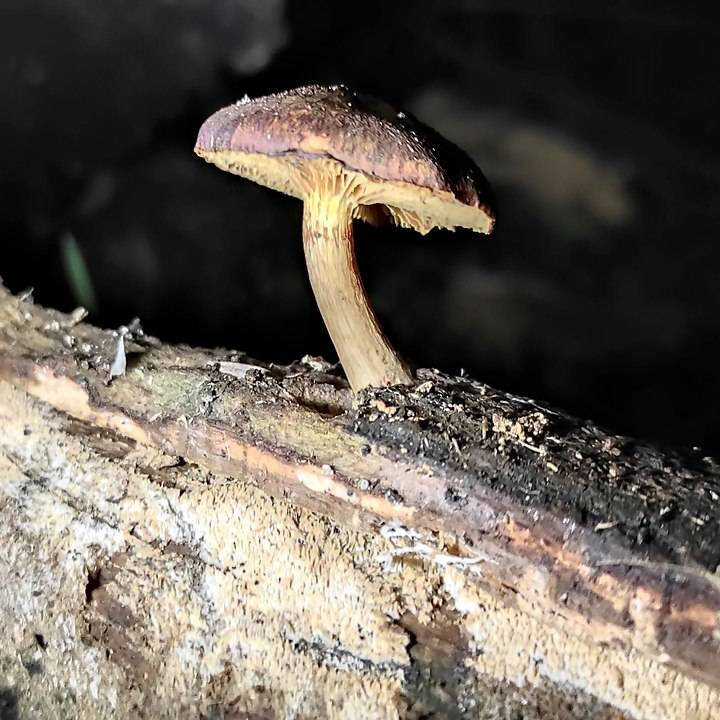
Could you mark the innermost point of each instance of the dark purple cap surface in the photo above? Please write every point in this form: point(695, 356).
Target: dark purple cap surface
point(362, 133)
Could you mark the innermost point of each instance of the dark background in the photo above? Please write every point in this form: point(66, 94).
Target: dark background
point(597, 125)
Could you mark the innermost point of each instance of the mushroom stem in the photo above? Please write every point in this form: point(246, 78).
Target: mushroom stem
point(365, 353)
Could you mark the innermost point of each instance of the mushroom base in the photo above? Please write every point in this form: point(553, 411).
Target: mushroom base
point(365, 353)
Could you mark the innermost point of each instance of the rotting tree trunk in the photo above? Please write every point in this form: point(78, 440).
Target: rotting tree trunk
point(199, 537)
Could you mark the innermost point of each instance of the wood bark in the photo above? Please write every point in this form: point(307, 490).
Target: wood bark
point(190, 529)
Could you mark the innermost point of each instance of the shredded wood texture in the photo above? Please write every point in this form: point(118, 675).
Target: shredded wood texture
point(205, 536)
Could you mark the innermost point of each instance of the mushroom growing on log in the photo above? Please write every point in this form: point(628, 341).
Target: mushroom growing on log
point(348, 156)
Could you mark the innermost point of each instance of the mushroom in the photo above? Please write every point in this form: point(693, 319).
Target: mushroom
point(348, 156)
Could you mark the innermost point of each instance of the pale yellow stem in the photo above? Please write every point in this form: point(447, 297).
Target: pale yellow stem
point(365, 353)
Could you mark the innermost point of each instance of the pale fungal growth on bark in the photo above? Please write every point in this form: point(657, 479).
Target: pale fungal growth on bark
point(348, 156)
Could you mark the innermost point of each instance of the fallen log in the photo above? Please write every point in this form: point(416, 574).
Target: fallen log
point(238, 539)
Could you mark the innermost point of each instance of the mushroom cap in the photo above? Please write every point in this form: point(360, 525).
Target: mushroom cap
point(400, 167)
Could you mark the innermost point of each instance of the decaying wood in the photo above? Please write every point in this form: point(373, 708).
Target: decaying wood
point(243, 540)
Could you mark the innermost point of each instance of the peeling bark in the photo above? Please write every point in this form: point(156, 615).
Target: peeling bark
point(243, 540)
